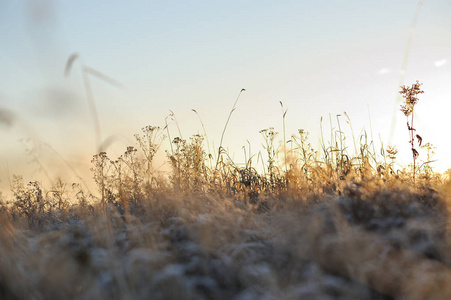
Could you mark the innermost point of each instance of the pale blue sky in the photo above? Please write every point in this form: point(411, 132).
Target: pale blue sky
point(318, 57)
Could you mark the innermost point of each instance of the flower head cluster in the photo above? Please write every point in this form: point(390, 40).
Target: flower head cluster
point(392, 151)
point(410, 96)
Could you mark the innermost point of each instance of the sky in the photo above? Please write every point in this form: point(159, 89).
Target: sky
point(320, 58)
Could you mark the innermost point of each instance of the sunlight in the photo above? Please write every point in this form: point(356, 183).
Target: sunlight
point(225, 150)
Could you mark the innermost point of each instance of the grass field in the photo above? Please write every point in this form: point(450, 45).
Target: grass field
point(292, 223)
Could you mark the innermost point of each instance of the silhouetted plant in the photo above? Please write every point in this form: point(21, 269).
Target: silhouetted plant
point(410, 94)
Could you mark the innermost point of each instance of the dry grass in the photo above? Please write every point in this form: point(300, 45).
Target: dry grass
point(332, 225)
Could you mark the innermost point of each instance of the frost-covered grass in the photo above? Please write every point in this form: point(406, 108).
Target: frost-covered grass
point(370, 241)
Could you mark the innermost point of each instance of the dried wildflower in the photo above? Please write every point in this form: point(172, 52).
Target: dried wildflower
point(410, 94)
point(420, 139)
point(406, 110)
point(392, 151)
point(177, 140)
point(130, 150)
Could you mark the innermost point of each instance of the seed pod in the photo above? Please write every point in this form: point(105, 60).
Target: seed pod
point(420, 139)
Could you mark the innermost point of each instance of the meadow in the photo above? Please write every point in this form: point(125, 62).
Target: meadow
point(343, 221)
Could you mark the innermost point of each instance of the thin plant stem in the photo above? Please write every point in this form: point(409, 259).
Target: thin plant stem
point(225, 127)
point(352, 132)
point(169, 135)
point(176, 123)
point(412, 139)
point(341, 143)
point(371, 129)
point(86, 71)
point(93, 109)
point(284, 138)
point(205, 133)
